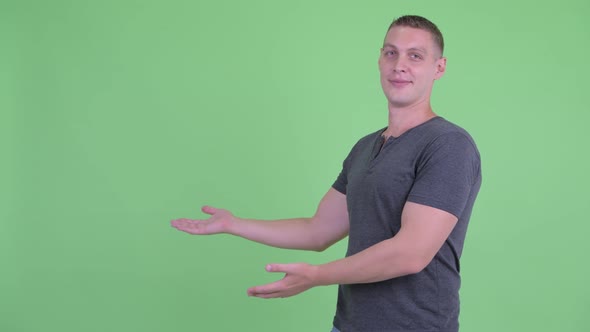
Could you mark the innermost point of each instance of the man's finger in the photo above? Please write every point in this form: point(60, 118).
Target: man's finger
point(189, 226)
point(179, 222)
point(267, 289)
point(268, 296)
point(286, 268)
point(209, 209)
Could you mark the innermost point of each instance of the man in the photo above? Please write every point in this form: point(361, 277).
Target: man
point(404, 198)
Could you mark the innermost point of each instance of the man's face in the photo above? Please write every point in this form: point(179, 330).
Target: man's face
point(409, 63)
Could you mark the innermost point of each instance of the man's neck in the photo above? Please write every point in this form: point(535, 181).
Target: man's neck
point(404, 119)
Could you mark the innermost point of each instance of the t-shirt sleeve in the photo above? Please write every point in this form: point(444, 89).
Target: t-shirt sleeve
point(342, 179)
point(446, 173)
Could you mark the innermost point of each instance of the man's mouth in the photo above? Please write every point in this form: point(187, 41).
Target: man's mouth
point(399, 83)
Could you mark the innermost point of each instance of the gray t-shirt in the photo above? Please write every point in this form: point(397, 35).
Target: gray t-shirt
point(435, 164)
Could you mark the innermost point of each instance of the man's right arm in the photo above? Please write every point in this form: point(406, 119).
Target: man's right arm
point(328, 226)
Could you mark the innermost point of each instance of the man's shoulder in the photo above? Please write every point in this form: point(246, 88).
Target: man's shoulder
point(450, 138)
point(443, 128)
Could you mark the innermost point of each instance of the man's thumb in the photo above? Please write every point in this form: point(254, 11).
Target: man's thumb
point(209, 209)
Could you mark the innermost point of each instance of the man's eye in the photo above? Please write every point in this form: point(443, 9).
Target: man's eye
point(416, 56)
point(389, 53)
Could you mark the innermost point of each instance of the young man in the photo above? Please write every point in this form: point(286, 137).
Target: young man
point(404, 198)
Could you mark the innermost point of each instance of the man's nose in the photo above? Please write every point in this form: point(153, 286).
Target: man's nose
point(399, 66)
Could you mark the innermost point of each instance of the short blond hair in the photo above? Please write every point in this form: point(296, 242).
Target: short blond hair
point(419, 22)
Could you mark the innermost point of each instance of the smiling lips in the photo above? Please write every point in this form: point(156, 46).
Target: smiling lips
point(399, 83)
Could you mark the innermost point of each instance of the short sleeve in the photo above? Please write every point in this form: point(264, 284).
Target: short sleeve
point(342, 179)
point(446, 173)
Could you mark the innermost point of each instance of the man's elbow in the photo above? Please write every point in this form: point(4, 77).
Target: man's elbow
point(320, 249)
point(415, 264)
point(324, 241)
point(322, 245)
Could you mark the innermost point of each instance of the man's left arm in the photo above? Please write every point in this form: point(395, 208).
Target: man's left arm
point(423, 231)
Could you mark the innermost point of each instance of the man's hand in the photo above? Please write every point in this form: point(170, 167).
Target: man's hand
point(219, 222)
point(299, 277)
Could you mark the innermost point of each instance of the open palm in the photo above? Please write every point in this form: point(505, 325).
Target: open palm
point(219, 222)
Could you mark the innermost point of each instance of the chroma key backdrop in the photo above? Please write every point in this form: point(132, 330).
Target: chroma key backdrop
point(118, 116)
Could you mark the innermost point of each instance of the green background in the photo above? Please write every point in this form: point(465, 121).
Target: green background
point(117, 116)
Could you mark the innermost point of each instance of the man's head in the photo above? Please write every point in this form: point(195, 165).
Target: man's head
point(411, 60)
point(419, 22)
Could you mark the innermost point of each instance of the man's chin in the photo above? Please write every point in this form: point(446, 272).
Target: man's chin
point(399, 102)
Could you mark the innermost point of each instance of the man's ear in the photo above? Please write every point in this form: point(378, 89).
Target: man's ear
point(441, 67)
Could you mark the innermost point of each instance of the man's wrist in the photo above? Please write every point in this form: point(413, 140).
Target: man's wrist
point(318, 275)
point(232, 226)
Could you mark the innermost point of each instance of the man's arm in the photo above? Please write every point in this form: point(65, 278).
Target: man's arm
point(326, 227)
point(424, 230)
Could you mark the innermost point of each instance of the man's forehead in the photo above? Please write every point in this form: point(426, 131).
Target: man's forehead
point(407, 37)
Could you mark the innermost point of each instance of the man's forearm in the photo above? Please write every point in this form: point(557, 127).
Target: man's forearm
point(424, 230)
point(328, 225)
point(297, 233)
point(385, 260)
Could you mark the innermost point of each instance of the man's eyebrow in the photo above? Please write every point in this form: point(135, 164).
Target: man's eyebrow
point(419, 49)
